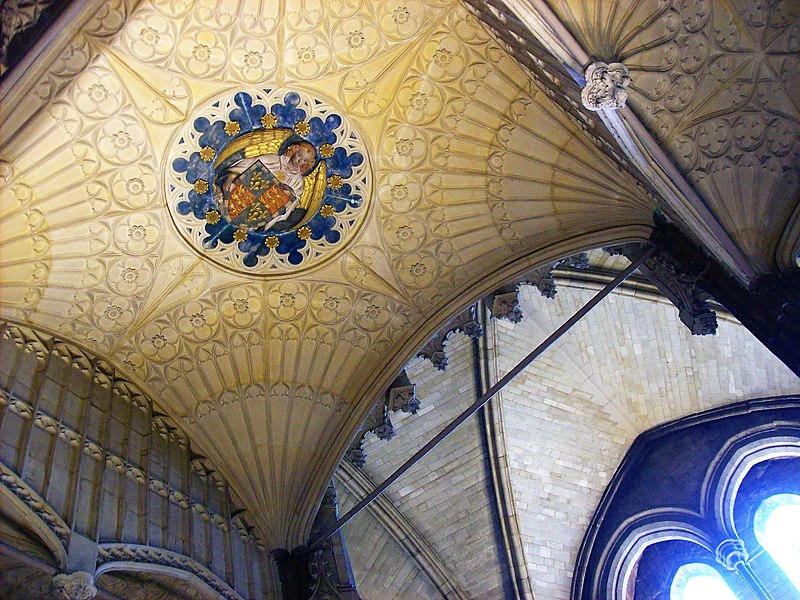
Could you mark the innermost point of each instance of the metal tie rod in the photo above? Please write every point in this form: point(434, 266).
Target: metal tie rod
point(475, 406)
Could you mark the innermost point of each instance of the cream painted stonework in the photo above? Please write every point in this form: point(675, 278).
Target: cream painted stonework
point(477, 176)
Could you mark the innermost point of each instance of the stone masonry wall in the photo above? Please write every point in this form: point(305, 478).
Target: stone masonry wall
point(571, 416)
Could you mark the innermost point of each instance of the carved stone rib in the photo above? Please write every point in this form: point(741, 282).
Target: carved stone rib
point(403, 532)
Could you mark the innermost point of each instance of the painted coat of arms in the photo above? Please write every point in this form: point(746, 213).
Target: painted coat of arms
point(263, 187)
point(271, 186)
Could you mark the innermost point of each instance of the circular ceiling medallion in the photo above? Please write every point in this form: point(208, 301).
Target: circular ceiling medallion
point(267, 181)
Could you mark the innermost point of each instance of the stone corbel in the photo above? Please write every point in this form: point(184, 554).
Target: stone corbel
point(542, 279)
point(606, 86)
point(402, 395)
point(504, 302)
point(434, 351)
point(377, 422)
point(74, 586)
point(678, 283)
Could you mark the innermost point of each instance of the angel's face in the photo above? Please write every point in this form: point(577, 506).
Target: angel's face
point(302, 159)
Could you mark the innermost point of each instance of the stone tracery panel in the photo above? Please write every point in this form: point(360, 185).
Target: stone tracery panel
point(714, 83)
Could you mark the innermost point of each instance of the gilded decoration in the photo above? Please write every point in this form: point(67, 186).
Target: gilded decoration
point(267, 181)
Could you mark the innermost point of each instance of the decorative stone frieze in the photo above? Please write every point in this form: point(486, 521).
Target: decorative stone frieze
point(21, 408)
point(104, 374)
point(74, 586)
point(33, 501)
point(246, 529)
point(87, 384)
point(132, 395)
point(48, 424)
point(110, 553)
point(199, 465)
point(606, 86)
point(434, 350)
point(30, 341)
point(112, 461)
point(73, 356)
point(93, 450)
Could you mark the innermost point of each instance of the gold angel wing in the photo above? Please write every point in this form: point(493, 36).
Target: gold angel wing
point(313, 191)
point(255, 143)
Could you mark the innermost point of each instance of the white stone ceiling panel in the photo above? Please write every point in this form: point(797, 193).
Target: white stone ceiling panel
point(476, 175)
point(382, 568)
point(447, 495)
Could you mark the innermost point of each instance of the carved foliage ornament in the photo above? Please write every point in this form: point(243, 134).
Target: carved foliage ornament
point(606, 86)
point(267, 181)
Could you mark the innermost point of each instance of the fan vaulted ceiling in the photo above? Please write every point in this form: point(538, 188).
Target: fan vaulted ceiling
point(715, 83)
point(475, 172)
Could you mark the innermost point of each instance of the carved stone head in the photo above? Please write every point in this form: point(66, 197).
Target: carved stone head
point(74, 586)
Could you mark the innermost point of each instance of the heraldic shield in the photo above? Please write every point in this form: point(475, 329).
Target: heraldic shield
point(265, 182)
point(256, 197)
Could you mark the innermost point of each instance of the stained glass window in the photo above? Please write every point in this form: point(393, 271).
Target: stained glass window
point(699, 581)
point(777, 529)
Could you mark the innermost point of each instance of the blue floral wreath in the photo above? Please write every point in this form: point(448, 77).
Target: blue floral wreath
point(249, 118)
